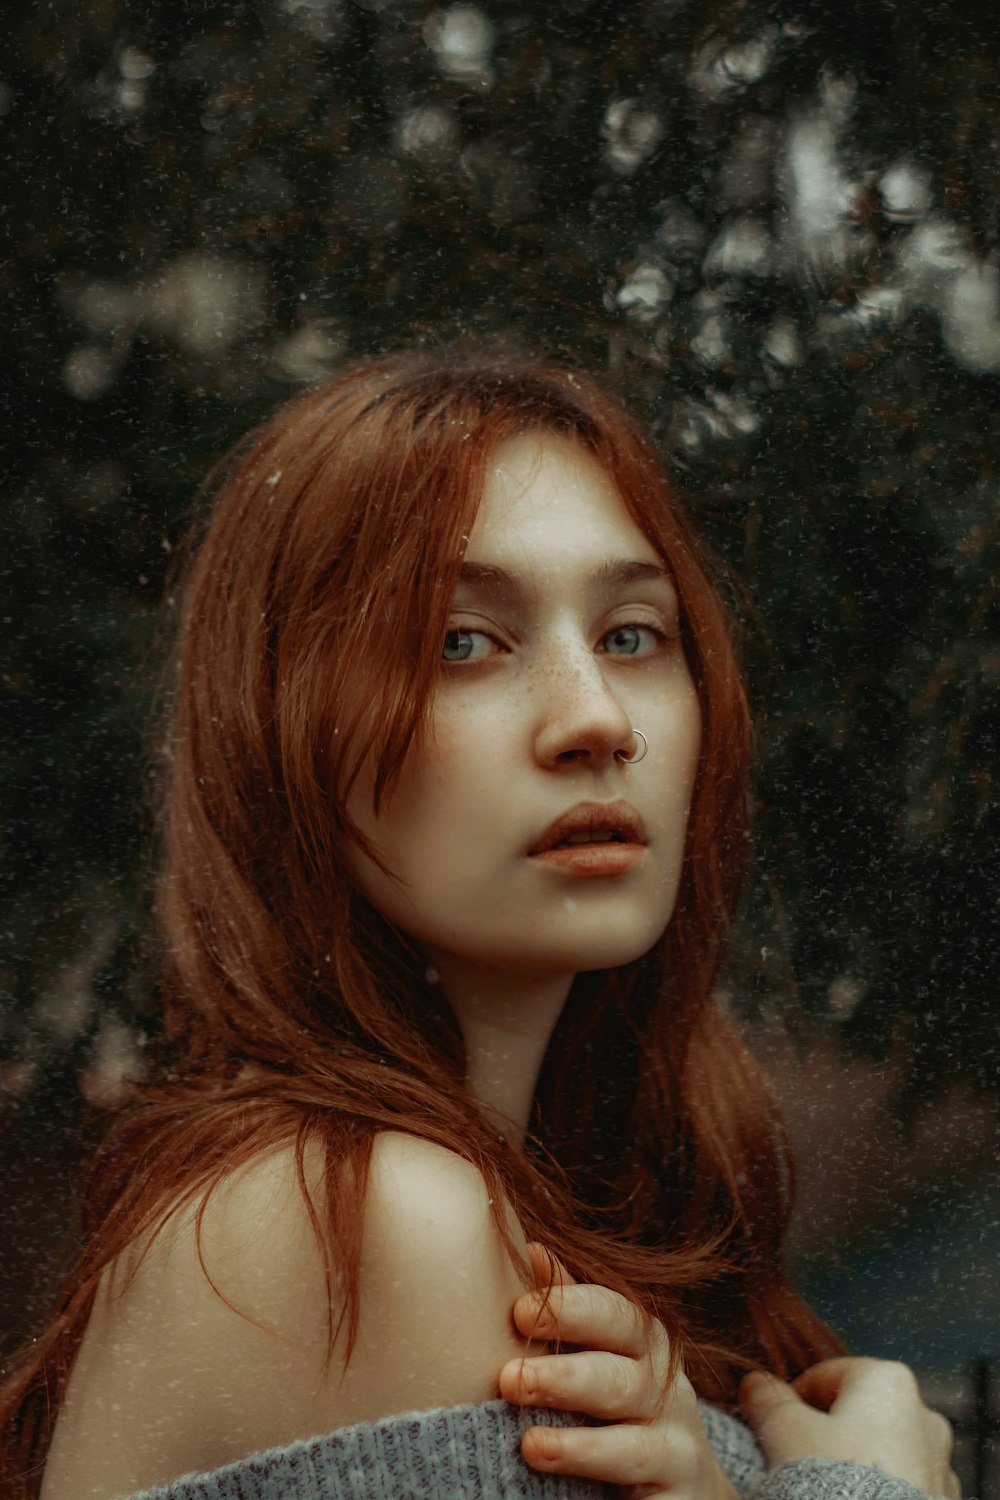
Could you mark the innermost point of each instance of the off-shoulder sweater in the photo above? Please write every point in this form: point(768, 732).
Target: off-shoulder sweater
point(473, 1453)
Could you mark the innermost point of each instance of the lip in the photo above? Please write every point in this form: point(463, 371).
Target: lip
point(589, 861)
point(593, 817)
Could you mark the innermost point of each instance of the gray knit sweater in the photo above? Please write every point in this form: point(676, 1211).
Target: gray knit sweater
point(473, 1453)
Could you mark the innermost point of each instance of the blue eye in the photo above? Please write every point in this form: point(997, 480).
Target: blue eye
point(460, 645)
point(627, 640)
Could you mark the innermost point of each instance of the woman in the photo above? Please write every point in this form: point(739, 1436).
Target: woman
point(454, 822)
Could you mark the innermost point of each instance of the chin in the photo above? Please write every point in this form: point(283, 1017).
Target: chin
point(578, 953)
point(592, 956)
point(618, 940)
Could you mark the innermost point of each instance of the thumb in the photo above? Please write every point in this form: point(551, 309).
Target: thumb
point(761, 1395)
point(780, 1418)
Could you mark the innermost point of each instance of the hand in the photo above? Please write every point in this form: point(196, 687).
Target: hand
point(656, 1446)
point(867, 1411)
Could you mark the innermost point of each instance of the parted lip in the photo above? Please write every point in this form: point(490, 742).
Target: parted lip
point(593, 817)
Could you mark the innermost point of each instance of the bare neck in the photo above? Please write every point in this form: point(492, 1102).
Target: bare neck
point(506, 1021)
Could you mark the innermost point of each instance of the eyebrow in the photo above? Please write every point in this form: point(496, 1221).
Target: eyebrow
point(615, 572)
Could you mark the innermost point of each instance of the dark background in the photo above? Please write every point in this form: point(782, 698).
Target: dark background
point(772, 227)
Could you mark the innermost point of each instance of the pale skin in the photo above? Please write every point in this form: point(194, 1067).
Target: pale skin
point(564, 637)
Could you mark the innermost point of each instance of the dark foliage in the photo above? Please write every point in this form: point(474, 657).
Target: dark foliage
point(774, 227)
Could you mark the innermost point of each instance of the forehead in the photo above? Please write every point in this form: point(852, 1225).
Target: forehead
point(547, 500)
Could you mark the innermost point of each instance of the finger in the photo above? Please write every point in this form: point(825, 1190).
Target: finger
point(824, 1383)
point(607, 1386)
point(943, 1434)
point(623, 1454)
point(783, 1422)
point(593, 1316)
point(761, 1394)
point(821, 1384)
point(548, 1271)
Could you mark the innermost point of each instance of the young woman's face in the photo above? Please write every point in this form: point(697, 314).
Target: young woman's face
point(563, 640)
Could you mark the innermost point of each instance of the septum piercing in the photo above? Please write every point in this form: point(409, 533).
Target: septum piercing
point(630, 760)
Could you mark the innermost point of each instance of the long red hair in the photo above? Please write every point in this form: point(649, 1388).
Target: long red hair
point(294, 1013)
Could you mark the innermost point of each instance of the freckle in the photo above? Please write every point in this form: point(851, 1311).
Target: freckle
point(569, 903)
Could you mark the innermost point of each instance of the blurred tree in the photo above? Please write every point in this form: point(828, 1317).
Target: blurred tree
point(772, 226)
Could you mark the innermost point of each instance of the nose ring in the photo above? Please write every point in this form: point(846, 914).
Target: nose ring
point(630, 760)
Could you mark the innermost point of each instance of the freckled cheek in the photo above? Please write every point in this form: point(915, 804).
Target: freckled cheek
point(461, 757)
point(676, 740)
point(677, 722)
point(432, 821)
point(693, 731)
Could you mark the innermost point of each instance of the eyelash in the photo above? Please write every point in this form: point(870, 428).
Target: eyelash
point(660, 636)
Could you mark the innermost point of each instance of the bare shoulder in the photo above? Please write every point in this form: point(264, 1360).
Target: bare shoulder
point(217, 1345)
point(435, 1204)
point(435, 1263)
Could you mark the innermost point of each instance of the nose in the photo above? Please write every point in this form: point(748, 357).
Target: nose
point(580, 718)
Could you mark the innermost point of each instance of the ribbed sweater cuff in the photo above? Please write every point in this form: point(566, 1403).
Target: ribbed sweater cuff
point(830, 1479)
point(441, 1453)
